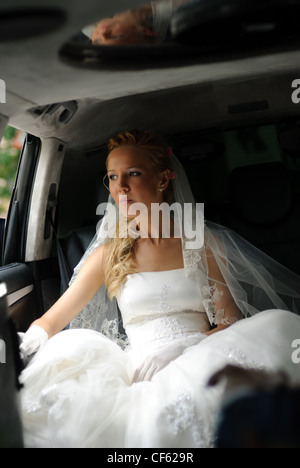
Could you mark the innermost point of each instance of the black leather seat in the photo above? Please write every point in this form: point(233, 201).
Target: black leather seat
point(72, 248)
point(75, 245)
point(264, 209)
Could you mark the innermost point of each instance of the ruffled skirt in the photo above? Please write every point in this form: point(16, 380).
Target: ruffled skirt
point(79, 390)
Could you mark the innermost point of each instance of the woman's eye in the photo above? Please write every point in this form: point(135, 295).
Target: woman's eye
point(113, 177)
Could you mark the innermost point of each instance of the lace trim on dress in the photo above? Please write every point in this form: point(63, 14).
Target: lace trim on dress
point(211, 296)
point(239, 358)
point(182, 416)
point(87, 319)
point(93, 318)
point(110, 329)
point(221, 319)
point(192, 261)
point(162, 306)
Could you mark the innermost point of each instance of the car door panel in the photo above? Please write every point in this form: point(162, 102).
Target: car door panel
point(11, 430)
point(21, 294)
point(22, 279)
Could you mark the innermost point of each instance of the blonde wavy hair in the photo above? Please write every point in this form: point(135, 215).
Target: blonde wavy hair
point(120, 251)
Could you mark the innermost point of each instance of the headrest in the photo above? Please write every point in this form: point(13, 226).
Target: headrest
point(261, 193)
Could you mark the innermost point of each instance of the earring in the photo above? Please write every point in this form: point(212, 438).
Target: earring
point(104, 180)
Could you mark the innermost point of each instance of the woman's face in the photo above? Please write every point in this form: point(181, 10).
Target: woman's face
point(133, 179)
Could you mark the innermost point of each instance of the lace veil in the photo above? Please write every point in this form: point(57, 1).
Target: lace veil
point(221, 261)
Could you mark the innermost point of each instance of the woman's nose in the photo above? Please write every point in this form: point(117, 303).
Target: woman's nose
point(123, 184)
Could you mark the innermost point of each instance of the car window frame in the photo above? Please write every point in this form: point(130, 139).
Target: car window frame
point(17, 217)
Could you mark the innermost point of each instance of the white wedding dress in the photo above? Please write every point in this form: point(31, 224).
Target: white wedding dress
point(80, 389)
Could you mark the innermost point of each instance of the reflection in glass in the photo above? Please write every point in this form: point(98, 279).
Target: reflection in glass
point(148, 24)
point(188, 30)
point(166, 33)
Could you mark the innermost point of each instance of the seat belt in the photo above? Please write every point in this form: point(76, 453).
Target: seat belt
point(65, 271)
point(64, 268)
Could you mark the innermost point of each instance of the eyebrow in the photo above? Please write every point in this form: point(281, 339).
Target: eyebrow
point(133, 167)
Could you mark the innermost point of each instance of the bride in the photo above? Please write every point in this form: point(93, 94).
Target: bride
point(189, 303)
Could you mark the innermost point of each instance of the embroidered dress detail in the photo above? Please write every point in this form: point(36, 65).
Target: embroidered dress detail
point(169, 329)
point(211, 296)
point(240, 359)
point(182, 415)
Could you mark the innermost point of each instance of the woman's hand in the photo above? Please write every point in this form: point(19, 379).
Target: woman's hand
point(33, 340)
point(156, 362)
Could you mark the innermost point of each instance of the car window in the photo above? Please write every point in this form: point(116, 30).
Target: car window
point(10, 150)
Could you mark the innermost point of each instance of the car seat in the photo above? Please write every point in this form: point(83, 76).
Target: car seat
point(264, 209)
point(72, 248)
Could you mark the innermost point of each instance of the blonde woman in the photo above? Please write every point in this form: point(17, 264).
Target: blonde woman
point(181, 305)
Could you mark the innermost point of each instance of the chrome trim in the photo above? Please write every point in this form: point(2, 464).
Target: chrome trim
point(18, 295)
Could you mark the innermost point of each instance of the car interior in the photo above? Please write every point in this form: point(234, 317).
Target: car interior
point(221, 90)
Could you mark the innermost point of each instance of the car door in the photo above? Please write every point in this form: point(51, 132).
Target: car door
point(29, 284)
point(21, 279)
point(11, 430)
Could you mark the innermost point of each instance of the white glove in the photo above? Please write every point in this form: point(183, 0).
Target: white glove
point(32, 340)
point(157, 362)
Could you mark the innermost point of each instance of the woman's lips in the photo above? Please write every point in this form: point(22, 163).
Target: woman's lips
point(125, 200)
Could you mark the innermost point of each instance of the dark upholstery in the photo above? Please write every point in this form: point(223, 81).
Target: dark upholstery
point(264, 209)
point(75, 245)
